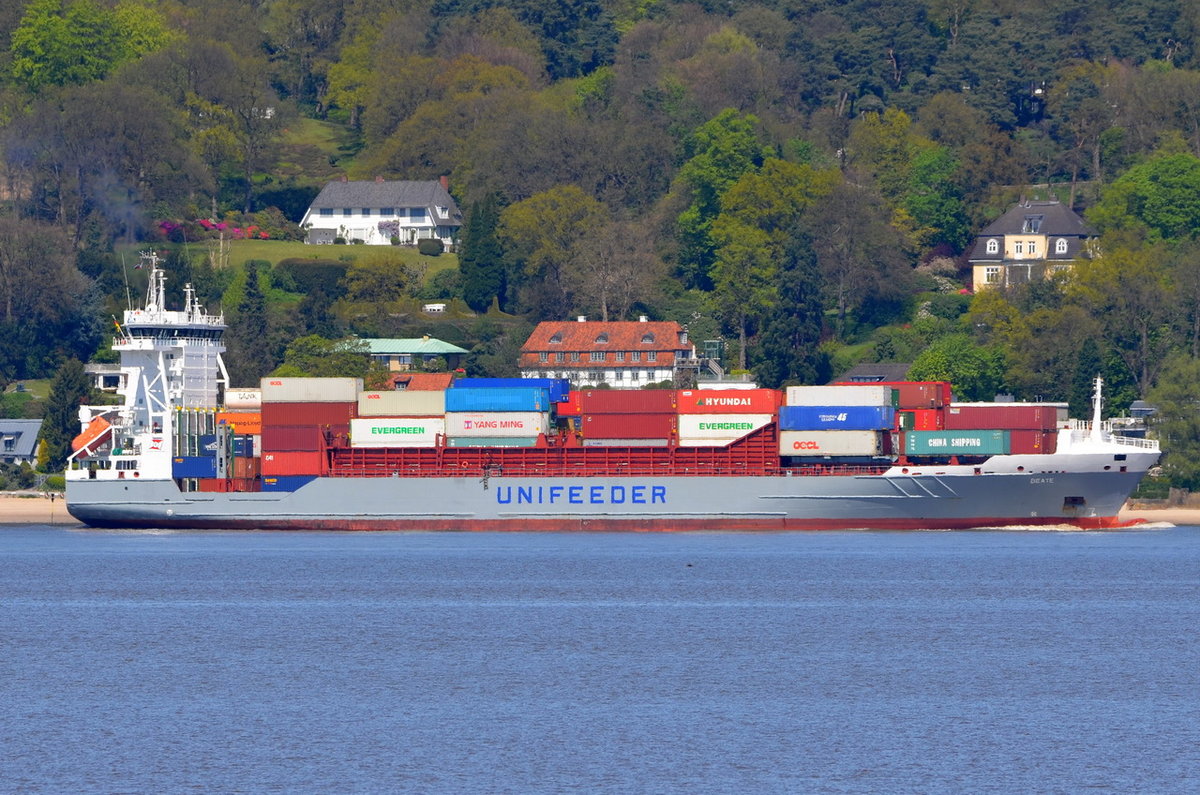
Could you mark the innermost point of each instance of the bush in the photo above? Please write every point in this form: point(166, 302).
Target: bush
point(430, 247)
point(55, 483)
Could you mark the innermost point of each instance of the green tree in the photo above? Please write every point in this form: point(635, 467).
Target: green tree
point(69, 389)
point(249, 357)
point(480, 257)
point(1177, 421)
point(1160, 197)
point(317, 357)
point(976, 372)
point(789, 343)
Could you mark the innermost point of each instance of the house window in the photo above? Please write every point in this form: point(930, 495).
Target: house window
point(543, 357)
point(652, 356)
point(366, 212)
point(602, 339)
point(647, 339)
point(10, 444)
point(326, 212)
point(1032, 247)
point(443, 212)
point(1060, 246)
point(597, 356)
point(556, 339)
point(633, 375)
point(560, 357)
point(417, 213)
point(991, 274)
point(993, 246)
point(347, 212)
point(575, 356)
point(620, 356)
point(635, 356)
point(387, 211)
point(649, 375)
point(1032, 225)
point(1020, 247)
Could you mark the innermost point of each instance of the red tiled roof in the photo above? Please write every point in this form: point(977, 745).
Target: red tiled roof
point(623, 336)
point(423, 382)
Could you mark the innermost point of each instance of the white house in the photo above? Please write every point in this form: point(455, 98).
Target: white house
point(378, 211)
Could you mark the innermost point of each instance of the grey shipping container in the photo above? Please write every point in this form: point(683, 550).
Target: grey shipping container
point(310, 390)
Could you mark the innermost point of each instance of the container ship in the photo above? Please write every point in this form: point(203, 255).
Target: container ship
point(184, 449)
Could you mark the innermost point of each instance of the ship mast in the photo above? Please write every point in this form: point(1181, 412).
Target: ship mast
point(1097, 404)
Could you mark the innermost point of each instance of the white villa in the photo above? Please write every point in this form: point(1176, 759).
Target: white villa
point(380, 211)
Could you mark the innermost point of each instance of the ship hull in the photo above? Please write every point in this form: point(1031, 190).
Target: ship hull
point(1085, 495)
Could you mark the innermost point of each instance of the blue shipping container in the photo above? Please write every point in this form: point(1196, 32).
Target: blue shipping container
point(836, 418)
point(286, 482)
point(194, 466)
point(498, 399)
point(208, 445)
point(560, 388)
point(243, 446)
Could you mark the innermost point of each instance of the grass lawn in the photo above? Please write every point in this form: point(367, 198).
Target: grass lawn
point(242, 251)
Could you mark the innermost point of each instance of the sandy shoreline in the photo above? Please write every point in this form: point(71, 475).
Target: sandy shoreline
point(24, 509)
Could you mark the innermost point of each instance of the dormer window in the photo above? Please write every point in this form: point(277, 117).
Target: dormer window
point(1060, 246)
point(993, 246)
point(556, 339)
point(602, 339)
point(648, 339)
point(1032, 224)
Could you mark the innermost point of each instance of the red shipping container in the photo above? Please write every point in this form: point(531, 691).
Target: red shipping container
point(627, 401)
point(1026, 442)
point(212, 485)
point(282, 438)
point(728, 401)
point(293, 463)
point(308, 413)
point(1012, 417)
point(928, 420)
point(245, 484)
point(571, 407)
point(628, 426)
point(246, 467)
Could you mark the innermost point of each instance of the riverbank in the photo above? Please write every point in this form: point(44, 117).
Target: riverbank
point(18, 508)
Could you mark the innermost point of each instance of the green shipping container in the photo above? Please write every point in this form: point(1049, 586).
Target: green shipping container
point(956, 443)
point(907, 420)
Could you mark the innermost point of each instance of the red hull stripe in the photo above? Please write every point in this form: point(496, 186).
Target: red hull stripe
point(563, 525)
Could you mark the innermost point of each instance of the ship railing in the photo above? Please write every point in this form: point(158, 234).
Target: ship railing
point(1081, 431)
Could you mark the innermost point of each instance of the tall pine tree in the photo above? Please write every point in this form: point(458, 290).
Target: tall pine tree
point(480, 257)
point(68, 390)
point(789, 343)
point(249, 356)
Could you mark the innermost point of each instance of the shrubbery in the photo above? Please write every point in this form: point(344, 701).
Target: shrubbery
point(430, 247)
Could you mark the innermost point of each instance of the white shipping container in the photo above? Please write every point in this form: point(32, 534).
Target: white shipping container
point(396, 431)
point(497, 423)
point(840, 395)
point(243, 399)
point(310, 390)
point(718, 427)
point(430, 403)
point(830, 443)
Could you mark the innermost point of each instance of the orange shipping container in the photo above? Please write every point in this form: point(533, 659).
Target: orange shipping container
point(243, 422)
point(293, 463)
point(727, 401)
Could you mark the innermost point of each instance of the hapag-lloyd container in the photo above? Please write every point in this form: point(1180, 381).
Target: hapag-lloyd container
point(431, 403)
point(840, 395)
point(310, 390)
point(244, 422)
point(396, 431)
point(697, 429)
point(627, 401)
point(497, 424)
point(991, 442)
point(628, 426)
point(727, 401)
point(836, 418)
point(1002, 416)
point(307, 413)
point(831, 443)
point(491, 399)
point(243, 399)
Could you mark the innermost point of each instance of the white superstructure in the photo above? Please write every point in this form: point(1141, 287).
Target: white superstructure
point(170, 359)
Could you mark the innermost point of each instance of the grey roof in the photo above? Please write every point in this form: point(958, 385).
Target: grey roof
point(383, 193)
point(1055, 219)
point(875, 372)
point(424, 346)
point(24, 434)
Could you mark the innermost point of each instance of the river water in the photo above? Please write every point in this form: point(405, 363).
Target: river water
point(828, 662)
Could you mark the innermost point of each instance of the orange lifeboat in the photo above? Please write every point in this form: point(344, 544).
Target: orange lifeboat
point(95, 434)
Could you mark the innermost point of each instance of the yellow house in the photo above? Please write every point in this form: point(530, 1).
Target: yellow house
point(1028, 242)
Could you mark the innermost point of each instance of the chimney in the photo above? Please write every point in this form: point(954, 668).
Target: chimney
point(643, 319)
point(445, 180)
point(378, 180)
point(425, 338)
point(581, 319)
